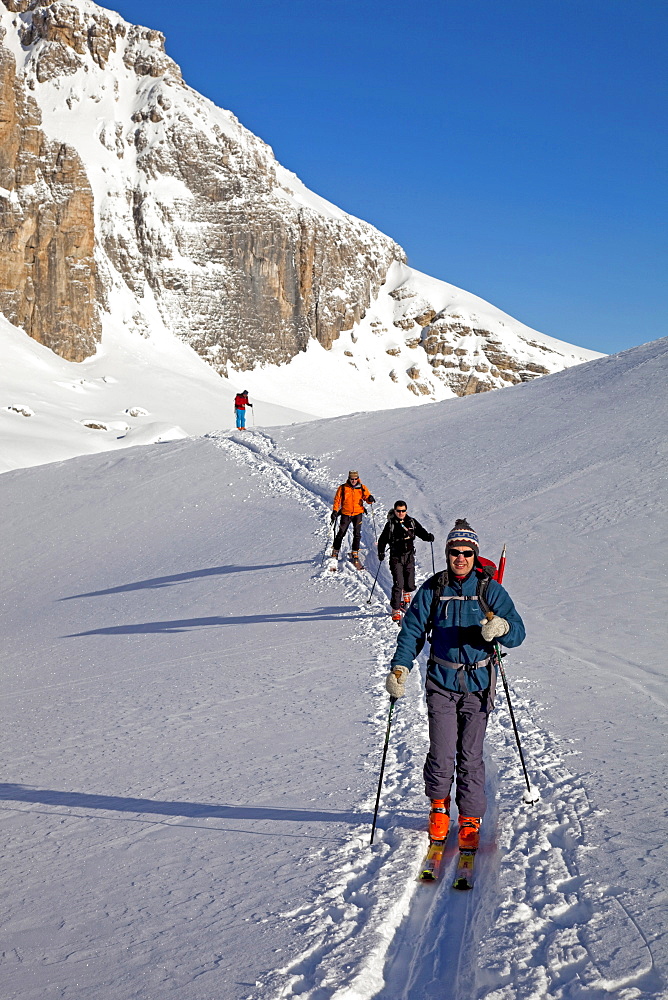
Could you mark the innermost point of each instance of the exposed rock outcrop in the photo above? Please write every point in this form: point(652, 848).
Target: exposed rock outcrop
point(47, 237)
point(489, 357)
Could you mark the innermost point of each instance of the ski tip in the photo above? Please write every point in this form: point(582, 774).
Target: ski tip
point(431, 865)
point(464, 875)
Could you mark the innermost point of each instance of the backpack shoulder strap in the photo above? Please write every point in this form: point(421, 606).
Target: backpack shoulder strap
point(440, 580)
point(481, 590)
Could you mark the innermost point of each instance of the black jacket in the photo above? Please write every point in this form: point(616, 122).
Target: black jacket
point(400, 535)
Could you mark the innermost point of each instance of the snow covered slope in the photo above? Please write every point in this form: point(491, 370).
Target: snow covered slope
point(133, 391)
point(194, 711)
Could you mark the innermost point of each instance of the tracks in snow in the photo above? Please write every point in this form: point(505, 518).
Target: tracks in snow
point(534, 927)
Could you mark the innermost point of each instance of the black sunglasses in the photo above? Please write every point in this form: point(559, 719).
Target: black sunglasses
point(401, 510)
point(461, 552)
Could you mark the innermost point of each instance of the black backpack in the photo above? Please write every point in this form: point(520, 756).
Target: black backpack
point(404, 536)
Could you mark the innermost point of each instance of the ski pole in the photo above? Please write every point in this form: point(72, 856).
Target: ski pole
point(374, 582)
point(382, 768)
point(433, 564)
point(532, 796)
point(324, 555)
point(373, 521)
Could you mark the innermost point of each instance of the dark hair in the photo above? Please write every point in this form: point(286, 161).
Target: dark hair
point(400, 503)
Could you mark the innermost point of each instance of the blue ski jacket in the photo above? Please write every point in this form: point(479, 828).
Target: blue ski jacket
point(456, 639)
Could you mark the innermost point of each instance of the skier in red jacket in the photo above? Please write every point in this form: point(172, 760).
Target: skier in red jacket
point(240, 404)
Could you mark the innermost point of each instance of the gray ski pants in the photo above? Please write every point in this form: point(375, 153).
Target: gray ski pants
point(457, 724)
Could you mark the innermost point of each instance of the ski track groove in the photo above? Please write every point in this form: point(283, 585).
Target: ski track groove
point(534, 927)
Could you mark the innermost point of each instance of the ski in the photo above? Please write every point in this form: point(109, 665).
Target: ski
point(464, 876)
point(430, 869)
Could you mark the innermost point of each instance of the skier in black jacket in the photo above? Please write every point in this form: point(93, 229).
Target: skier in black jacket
point(399, 533)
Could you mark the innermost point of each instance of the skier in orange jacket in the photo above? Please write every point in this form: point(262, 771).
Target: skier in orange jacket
point(349, 505)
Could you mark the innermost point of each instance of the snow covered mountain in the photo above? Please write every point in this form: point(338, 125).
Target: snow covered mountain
point(194, 711)
point(132, 207)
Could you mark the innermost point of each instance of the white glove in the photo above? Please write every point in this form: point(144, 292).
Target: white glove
point(395, 684)
point(494, 628)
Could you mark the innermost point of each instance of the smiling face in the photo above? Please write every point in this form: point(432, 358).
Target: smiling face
point(461, 557)
point(400, 511)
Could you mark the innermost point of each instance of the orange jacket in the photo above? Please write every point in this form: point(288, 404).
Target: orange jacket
point(349, 499)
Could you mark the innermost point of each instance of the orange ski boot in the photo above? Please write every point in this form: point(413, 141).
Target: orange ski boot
point(439, 819)
point(469, 833)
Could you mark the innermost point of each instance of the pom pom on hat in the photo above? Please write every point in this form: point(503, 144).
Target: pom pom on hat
point(462, 532)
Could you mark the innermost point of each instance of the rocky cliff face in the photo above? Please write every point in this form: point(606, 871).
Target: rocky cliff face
point(190, 208)
point(47, 265)
point(127, 196)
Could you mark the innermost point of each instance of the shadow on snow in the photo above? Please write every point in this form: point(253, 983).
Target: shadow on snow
point(191, 810)
point(185, 624)
point(168, 581)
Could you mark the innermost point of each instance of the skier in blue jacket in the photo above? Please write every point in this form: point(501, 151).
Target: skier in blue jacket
point(461, 678)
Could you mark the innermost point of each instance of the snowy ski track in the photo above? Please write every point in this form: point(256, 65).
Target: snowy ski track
point(534, 927)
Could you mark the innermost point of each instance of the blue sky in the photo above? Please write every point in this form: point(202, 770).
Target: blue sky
point(515, 149)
